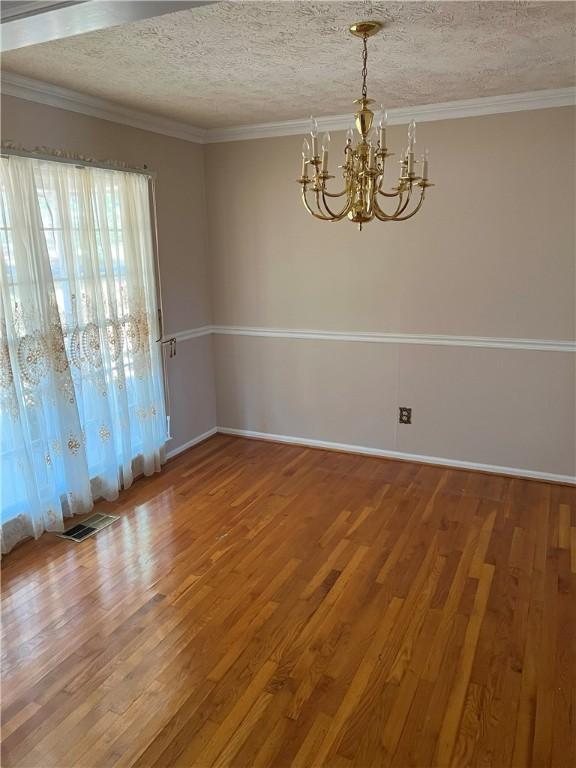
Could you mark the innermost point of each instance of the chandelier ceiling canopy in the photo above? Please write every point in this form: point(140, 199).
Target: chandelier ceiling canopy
point(364, 163)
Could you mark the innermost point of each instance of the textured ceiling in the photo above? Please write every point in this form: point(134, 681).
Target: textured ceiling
point(235, 63)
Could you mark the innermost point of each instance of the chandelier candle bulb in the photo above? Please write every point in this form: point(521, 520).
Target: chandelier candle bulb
point(305, 156)
point(410, 163)
point(382, 123)
point(411, 135)
point(425, 166)
point(325, 147)
point(362, 197)
point(314, 136)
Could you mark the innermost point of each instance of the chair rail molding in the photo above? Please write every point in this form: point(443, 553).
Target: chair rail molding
point(74, 101)
point(192, 333)
point(372, 337)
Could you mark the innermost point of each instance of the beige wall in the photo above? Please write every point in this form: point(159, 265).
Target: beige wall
point(491, 406)
point(181, 230)
point(491, 254)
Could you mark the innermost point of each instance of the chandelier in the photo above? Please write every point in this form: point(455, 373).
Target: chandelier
point(364, 164)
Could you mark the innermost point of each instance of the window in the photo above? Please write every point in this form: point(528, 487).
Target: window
point(81, 394)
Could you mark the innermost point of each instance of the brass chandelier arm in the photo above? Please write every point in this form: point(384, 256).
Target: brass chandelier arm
point(397, 215)
point(415, 211)
point(400, 210)
point(381, 182)
point(342, 213)
point(335, 194)
point(383, 216)
point(345, 191)
point(386, 194)
point(309, 209)
point(325, 210)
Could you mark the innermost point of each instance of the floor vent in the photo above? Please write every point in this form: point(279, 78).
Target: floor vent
point(88, 527)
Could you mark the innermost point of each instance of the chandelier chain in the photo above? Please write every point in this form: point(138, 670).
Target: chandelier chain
point(364, 67)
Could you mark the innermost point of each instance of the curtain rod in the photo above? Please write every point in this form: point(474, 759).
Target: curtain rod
point(80, 162)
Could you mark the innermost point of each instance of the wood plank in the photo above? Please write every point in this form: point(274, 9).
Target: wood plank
point(265, 606)
point(453, 714)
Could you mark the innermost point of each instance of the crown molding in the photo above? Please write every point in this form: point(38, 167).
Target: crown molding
point(74, 101)
point(448, 110)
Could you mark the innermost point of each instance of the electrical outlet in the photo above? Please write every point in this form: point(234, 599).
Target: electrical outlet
point(405, 416)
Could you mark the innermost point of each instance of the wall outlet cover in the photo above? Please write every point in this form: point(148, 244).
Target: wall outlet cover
point(405, 415)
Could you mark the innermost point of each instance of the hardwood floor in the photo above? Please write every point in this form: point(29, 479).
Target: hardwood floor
point(271, 605)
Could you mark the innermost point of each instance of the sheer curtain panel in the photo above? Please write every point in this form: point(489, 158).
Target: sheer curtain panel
point(81, 390)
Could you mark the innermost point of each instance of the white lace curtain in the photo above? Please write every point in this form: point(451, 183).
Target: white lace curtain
point(81, 391)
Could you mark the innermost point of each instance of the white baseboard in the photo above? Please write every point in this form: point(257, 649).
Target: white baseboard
point(419, 459)
point(190, 443)
point(381, 452)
